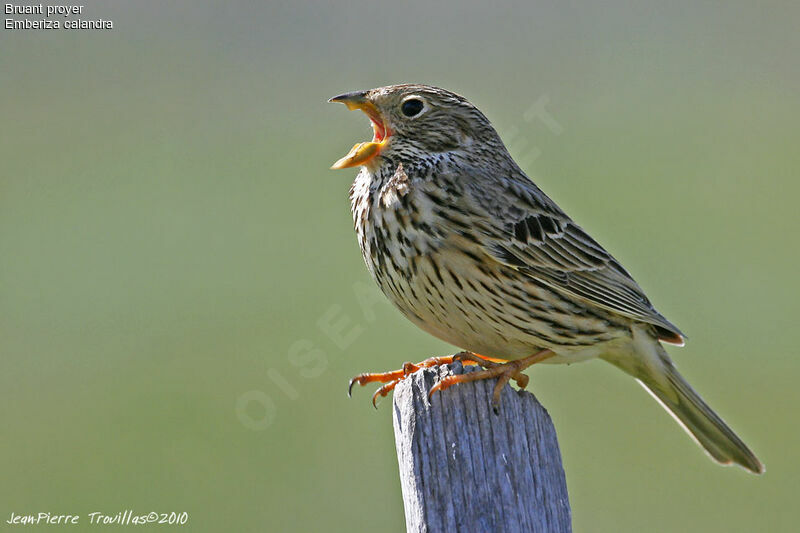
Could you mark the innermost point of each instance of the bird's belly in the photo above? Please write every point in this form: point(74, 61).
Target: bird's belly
point(443, 282)
point(489, 310)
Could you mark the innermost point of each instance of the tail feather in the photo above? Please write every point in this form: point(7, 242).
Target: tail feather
point(660, 377)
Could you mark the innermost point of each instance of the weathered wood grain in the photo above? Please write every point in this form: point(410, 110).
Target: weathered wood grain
point(464, 468)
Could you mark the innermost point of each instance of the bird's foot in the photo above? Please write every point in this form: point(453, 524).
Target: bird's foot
point(391, 379)
point(504, 373)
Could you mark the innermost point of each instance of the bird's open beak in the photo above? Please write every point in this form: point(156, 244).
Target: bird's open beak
point(363, 153)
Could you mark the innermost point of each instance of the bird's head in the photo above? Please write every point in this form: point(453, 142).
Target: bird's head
point(410, 122)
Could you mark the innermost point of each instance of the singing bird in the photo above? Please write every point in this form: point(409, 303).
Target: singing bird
point(473, 252)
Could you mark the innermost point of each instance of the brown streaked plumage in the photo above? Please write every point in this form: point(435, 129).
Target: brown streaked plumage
point(473, 252)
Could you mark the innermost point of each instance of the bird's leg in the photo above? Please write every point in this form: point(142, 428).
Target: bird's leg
point(503, 372)
point(391, 379)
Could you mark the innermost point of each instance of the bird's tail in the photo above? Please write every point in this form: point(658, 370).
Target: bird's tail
point(660, 377)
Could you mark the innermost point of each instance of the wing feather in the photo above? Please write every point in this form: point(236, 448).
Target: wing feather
point(524, 229)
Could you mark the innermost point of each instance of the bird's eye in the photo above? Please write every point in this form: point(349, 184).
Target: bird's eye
point(412, 107)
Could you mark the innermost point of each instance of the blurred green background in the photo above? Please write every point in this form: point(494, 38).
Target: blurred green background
point(174, 251)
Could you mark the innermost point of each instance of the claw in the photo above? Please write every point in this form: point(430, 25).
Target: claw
point(361, 379)
point(504, 373)
point(443, 384)
point(494, 367)
point(375, 400)
point(391, 379)
point(498, 389)
point(383, 391)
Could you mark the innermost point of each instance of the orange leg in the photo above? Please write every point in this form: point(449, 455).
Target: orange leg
point(503, 372)
point(391, 379)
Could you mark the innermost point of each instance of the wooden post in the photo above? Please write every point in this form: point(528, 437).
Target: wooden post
point(464, 468)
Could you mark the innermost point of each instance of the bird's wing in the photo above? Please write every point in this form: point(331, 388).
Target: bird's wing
point(524, 229)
